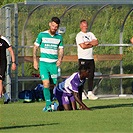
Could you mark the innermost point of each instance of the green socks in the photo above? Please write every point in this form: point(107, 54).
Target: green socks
point(47, 96)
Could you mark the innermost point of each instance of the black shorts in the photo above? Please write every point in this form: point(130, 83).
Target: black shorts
point(2, 71)
point(90, 64)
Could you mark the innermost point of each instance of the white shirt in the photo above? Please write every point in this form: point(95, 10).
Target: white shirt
point(81, 38)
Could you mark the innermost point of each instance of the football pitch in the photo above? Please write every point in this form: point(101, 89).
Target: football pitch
point(106, 116)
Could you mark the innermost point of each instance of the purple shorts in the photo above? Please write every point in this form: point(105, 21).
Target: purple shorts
point(64, 98)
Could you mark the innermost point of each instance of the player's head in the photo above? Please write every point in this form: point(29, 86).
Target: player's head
point(54, 25)
point(83, 25)
point(84, 71)
point(56, 20)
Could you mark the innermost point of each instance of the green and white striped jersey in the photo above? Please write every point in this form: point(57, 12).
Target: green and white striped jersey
point(49, 46)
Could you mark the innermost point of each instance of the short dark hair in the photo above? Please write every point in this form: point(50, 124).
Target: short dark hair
point(83, 20)
point(83, 67)
point(56, 20)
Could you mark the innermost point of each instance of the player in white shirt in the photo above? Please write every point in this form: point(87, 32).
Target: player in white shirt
point(85, 42)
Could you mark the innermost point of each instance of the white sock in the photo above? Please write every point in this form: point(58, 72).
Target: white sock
point(6, 97)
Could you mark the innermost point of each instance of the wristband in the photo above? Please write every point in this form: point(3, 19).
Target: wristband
point(13, 62)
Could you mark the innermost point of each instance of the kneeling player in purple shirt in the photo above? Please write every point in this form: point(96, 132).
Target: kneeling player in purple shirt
point(66, 92)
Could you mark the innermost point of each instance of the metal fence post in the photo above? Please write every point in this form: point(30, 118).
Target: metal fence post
point(16, 48)
point(8, 36)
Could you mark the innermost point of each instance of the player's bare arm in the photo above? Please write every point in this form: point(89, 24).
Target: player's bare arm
point(85, 45)
point(60, 56)
point(131, 40)
point(35, 61)
point(94, 42)
point(90, 44)
point(12, 54)
point(76, 96)
point(12, 57)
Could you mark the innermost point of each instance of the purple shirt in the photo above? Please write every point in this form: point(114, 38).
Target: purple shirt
point(71, 84)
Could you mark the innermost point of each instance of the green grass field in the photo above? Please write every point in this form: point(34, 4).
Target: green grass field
point(106, 116)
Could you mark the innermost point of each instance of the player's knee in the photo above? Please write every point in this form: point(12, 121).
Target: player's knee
point(46, 84)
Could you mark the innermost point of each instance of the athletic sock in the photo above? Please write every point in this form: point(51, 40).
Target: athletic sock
point(47, 96)
point(6, 97)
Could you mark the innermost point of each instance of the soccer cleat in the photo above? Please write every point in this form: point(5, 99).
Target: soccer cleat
point(44, 109)
point(54, 106)
point(47, 109)
point(7, 101)
point(91, 96)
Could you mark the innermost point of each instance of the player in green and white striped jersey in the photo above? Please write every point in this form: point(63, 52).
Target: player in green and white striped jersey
point(51, 55)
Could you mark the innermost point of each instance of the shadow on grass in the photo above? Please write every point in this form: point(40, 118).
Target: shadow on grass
point(23, 126)
point(112, 106)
